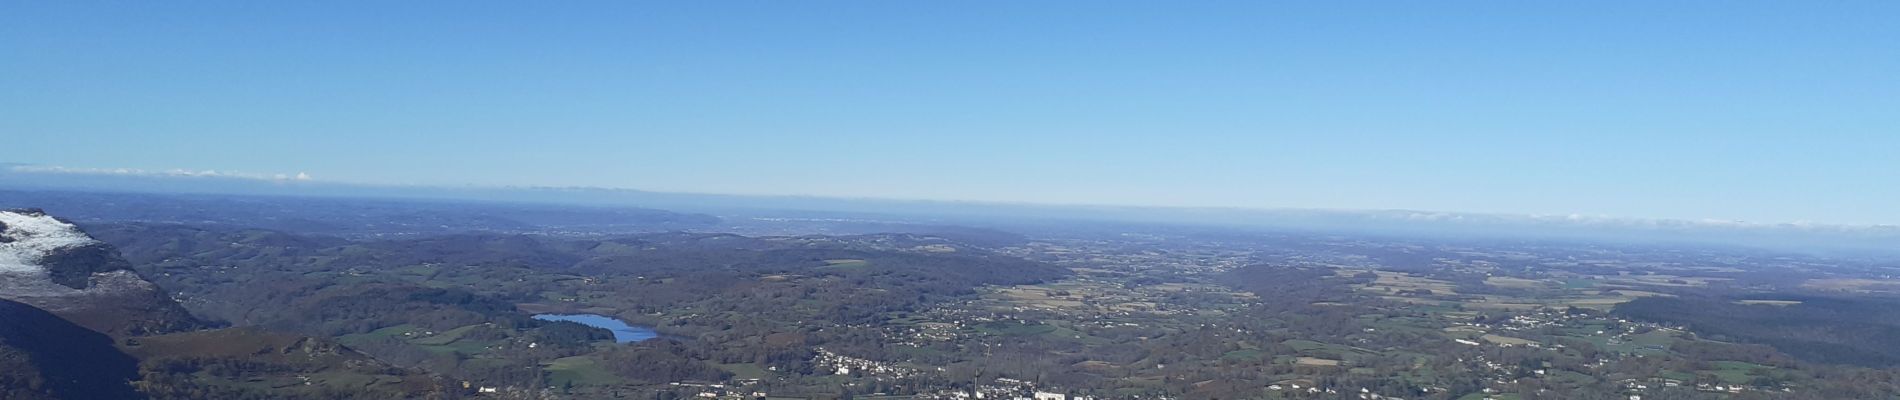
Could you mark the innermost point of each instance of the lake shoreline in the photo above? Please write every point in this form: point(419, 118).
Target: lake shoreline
point(623, 331)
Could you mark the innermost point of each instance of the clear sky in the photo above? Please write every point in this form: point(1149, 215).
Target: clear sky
point(1760, 111)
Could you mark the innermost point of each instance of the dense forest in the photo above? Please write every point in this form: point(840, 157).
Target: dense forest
point(1857, 331)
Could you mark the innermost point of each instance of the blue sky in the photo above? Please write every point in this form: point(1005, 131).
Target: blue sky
point(1759, 111)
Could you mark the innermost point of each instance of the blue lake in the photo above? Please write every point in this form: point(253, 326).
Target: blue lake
point(623, 332)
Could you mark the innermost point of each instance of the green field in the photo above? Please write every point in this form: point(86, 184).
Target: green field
point(1009, 329)
point(579, 370)
point(444, 342)
point(1308, 345)
point(1248, 354)
point(1736, 372)
point(393, 331)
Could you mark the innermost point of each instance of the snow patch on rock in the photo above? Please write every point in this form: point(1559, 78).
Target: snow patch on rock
point(33, 236)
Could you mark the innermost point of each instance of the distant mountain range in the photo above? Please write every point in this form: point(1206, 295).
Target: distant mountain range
point(1833, 238)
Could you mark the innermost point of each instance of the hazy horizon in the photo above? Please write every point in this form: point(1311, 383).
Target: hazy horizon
point(1760, 112)
point(1450, 222)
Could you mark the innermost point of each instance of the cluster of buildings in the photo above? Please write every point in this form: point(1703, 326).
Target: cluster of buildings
point(719, 391)
point(840, 364)
point(1637, 387)
point(1007, 389)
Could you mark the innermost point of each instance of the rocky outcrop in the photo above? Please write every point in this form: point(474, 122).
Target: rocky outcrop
point(51, 264)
